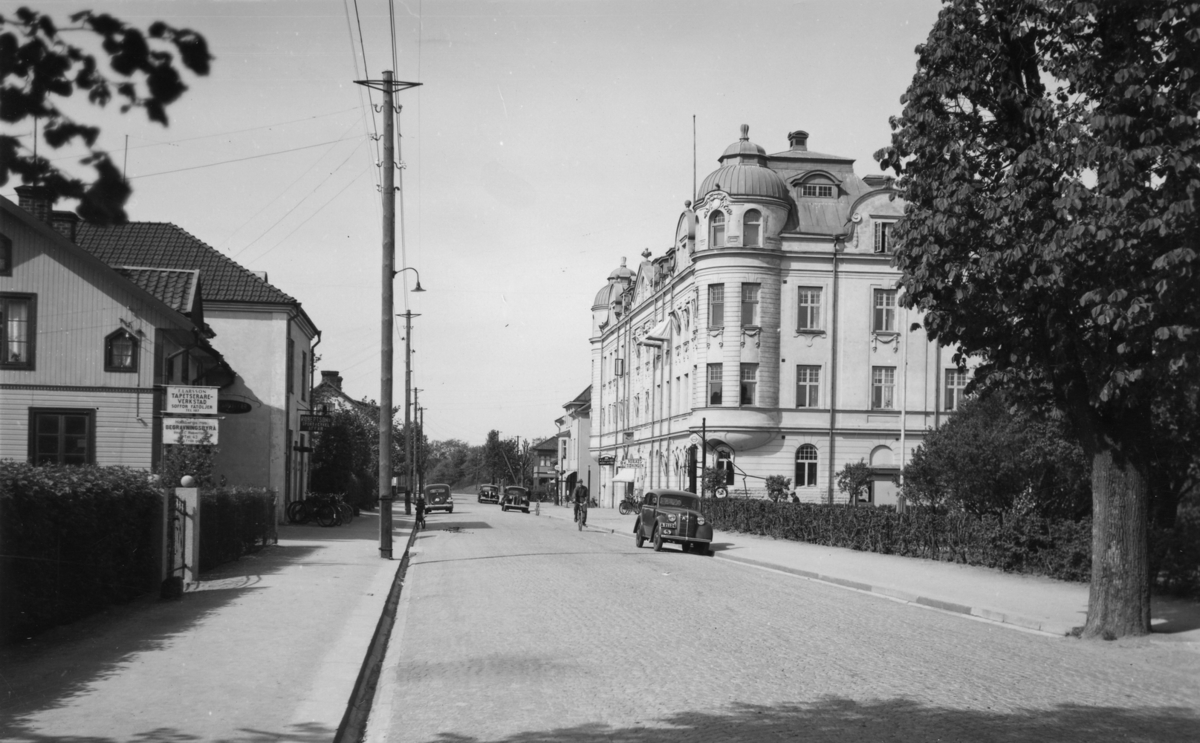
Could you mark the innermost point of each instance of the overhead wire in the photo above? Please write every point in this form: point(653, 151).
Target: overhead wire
point(363, 74)
point(236, 160)
point(282, 240)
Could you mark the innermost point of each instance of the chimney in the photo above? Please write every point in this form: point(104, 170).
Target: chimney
point(67, 223)
point(333, 378)
point(799, 140)
point(260, 274)
point(36, 200)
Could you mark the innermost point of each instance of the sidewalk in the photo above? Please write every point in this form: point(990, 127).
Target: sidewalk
point(267, 648)
point(1025, 601)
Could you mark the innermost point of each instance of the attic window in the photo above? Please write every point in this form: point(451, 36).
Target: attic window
point(121, 352)
point(817, 190)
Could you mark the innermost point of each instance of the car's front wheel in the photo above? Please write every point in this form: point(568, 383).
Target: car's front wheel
point(638, 538)
point(658, 542)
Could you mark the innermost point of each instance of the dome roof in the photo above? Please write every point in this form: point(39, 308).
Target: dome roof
point(621, 272)
point(743, 172)
point(745, 180)
point(604, 296)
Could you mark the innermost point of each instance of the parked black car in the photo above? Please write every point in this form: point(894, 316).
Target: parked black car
point(673, 516)
point(437, 498)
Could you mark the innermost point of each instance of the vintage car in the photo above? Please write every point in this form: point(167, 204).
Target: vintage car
point(489, 494)
point(673, 516)
point(437, 498)
point(515, 496)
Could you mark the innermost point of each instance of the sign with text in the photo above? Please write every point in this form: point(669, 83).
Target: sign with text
point(314, 422)
point(189, 431)
point(191, 400)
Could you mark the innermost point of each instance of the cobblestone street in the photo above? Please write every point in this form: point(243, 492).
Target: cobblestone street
point(518, 628)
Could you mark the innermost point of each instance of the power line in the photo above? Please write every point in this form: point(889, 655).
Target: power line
point(237, 160)
point(318, 211)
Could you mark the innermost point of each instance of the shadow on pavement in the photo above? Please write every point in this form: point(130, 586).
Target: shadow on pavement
point(304, 733)
point(837, 719)
point(49, 670)
point(1172, 616)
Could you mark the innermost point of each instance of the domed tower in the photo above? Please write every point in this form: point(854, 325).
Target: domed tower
point(741, 209)
point(618, 281)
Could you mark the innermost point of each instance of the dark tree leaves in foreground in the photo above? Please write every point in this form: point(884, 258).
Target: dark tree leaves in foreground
point(1049, 154)
point(38, 67)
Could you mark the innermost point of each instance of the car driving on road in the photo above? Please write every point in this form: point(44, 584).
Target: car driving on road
point(489, 494)
point(437, 498)
point(516, 497)
point(673, 516)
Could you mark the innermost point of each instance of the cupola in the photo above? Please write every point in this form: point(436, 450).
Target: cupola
point(743, 173)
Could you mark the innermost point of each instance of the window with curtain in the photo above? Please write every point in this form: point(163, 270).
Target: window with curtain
point(807, 383)
point(808, 303)
point(806, 466)
point(714, 384)
point(884, 318)
point(956, 384)
point(750, 304)
point(749, 384)
point(716, 305)
point(121, 352)
point(883, 387)
point(61, 436)
point(17, 330)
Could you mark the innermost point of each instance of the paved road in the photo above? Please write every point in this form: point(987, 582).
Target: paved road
point(518, 628)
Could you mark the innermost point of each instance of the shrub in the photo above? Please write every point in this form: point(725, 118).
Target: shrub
point(234, 521)
point(74, 540)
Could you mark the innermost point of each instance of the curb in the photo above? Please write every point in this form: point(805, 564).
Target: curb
point(358, 708)
point(988, 615)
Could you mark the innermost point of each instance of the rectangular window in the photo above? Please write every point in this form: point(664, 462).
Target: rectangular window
point(808, 302)
point(291, 366)
point(62, 436)
point(956, 382)
point(749, 384)
point(750, 304)
point(6, 256)
point(303, 375)
point(714, 384)
point(885, 311)
point(716, 305)
point(807, 382)
point(883, 237)
point(17, 314)
point(818, 190)
point(883, 387)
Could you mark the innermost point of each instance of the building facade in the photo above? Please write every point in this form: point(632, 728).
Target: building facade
point(575, 462)
point(767, 339)
point(87, 349)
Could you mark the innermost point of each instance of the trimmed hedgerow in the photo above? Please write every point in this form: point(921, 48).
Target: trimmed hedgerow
point(234, 521)
point(73, 540)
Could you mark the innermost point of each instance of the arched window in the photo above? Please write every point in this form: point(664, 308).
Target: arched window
point(806, 466)
point(121, 352)
point(752, 228)
point(716, 230)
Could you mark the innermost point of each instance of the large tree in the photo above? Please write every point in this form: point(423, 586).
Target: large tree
point(39, 67)
point(1048, 151)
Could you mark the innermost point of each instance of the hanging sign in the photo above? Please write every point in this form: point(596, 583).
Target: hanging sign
point(234, 407)
point(189, 431)
point(314, 422)
point(191, 400)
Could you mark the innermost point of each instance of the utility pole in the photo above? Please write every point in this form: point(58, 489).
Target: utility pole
point(389, 88)
point(412, 438)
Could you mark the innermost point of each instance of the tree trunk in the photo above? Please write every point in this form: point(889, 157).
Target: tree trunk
point(1119, 597)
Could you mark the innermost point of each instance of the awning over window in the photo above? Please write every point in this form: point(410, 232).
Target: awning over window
point(659, 334)
point(625, 474)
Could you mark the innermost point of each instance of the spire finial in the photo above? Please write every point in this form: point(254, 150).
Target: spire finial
point(745, 132)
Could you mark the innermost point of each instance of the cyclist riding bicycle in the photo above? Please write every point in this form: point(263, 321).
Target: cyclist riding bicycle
point(581, 503)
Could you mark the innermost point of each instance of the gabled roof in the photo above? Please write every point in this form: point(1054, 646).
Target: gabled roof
point(164, 245)
point(583, 398)
point(550, 444)
point(176, 287)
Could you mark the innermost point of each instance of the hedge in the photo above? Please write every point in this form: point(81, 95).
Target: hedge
point(73, 540)
point(1056, 548)
point(234, 521)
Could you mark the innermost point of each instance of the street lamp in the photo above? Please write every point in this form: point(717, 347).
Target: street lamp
point(417, 288)
point(385, 447)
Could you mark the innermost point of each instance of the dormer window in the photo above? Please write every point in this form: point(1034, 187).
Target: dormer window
point(121, 352)
point(883, 237)
point(716, 230)
point(817, 190)
point(752, 229)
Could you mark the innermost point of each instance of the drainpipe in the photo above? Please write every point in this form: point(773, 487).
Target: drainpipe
point(833, 346)
point(312, 360)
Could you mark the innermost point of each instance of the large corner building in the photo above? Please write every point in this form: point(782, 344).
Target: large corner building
point(770, 331)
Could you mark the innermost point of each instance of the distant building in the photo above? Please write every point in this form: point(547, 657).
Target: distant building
point(265, 334)
point(86, 348)
point(545, 460)
point(575, 462)
point(771, 328)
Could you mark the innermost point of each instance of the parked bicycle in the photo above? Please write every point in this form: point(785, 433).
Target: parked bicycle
point(628, 506)
point(326, 510)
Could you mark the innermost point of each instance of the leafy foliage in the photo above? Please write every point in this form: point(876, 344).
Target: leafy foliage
point(234, 521)
point(38, 66)
point(777, 486)
point(76, 540)
point(991, 459)
point(1048, 154)
point(854, 479)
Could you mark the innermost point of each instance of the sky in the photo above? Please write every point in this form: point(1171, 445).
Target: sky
point(549, 140)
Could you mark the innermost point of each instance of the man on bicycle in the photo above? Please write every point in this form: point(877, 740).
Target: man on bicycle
point(581, 503)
